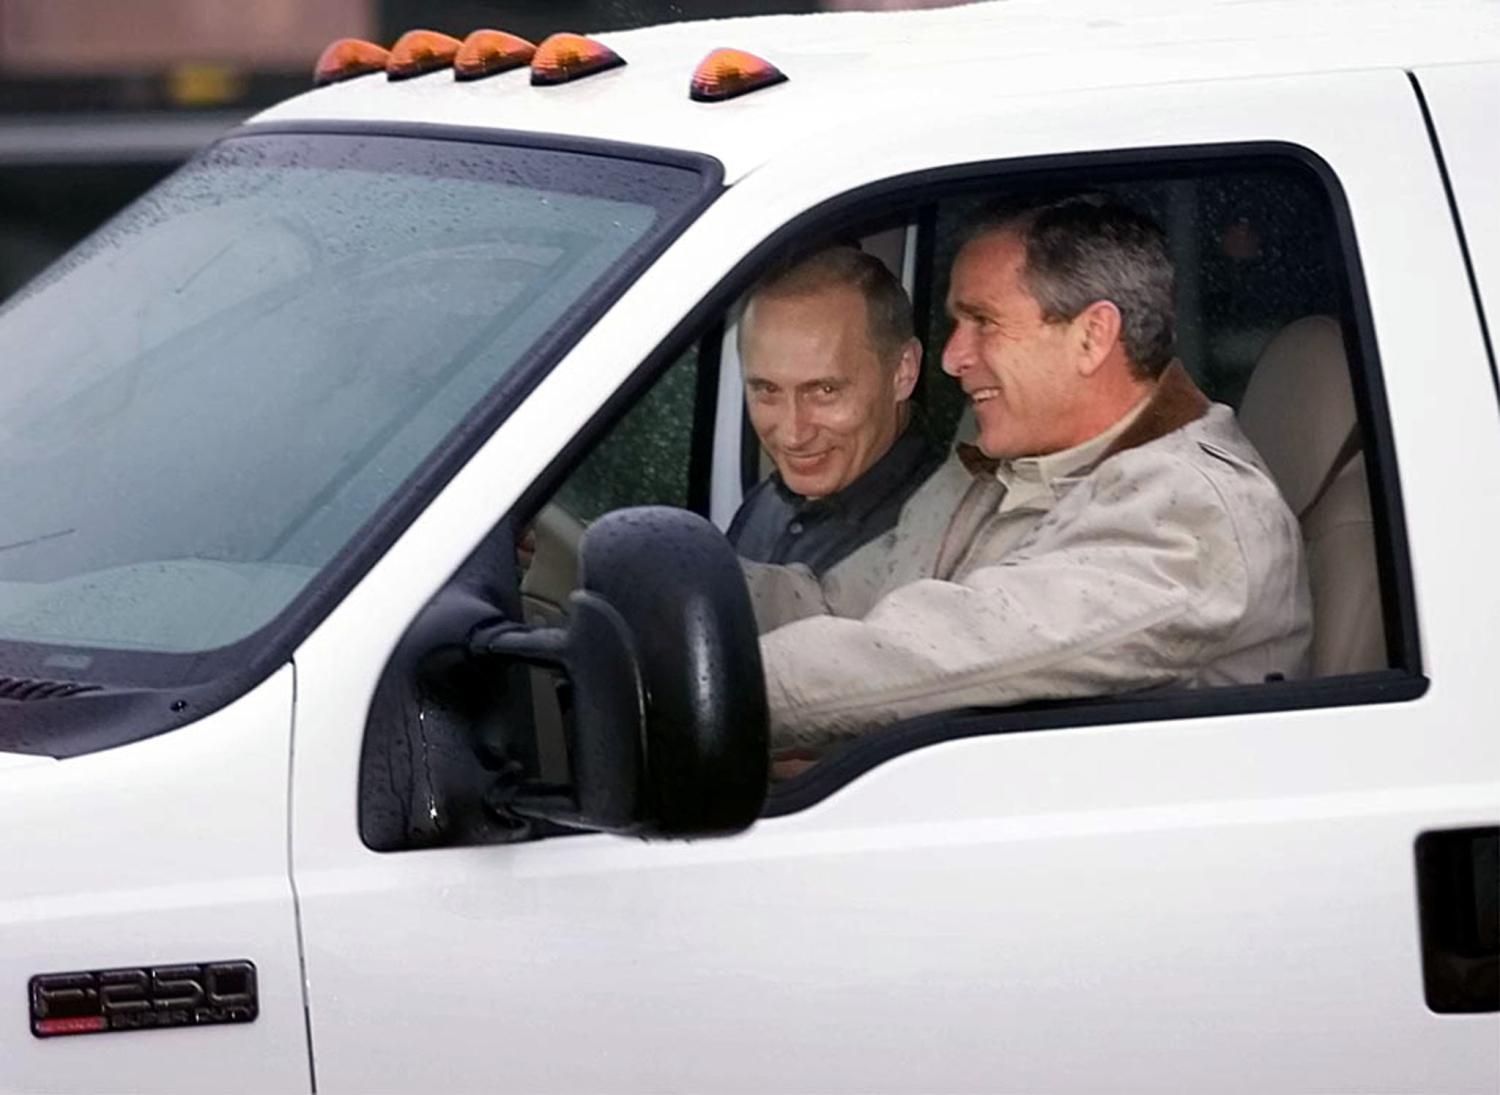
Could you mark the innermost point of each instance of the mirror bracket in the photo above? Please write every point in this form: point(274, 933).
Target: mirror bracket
point(606, 728)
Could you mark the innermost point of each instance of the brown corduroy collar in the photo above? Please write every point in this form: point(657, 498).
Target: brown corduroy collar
point(1175, 402)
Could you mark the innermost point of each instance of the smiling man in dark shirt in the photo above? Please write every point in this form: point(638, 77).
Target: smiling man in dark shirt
point(830, 362)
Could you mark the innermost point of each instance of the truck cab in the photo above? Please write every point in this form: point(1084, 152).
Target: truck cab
point(313, 780)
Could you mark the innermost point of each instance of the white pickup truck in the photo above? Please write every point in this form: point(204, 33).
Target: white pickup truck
point(287, 802)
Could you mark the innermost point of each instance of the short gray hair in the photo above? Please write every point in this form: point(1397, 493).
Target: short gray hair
point(1083, 248)
point(888, 310)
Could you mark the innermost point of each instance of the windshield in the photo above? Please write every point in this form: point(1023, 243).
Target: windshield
point(208, 399)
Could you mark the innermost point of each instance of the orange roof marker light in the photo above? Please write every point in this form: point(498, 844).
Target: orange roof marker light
point(421, 51)
point(564, 57)
point(348, 58)
point(490, 52)
point(727, 73)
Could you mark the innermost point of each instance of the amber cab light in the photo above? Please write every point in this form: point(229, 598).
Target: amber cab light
point(564, 57)
point(726, 73)
point(489, 52)
point(348, 58)
point(420, 51)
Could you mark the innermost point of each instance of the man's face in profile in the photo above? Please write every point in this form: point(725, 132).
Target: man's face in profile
point(823, 403)
point(1018, 370)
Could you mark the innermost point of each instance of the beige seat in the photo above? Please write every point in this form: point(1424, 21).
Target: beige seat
point(1299, 413)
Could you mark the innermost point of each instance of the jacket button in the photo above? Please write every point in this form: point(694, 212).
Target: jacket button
point(795, 528)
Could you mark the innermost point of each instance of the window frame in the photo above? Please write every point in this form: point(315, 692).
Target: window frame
point(917, 192)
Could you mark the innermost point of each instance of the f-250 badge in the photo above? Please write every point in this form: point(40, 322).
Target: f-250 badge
point(143, 998)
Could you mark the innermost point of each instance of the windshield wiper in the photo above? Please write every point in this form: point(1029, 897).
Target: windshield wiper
point(38, 539)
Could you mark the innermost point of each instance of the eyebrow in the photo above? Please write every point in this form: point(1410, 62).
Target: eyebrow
point(815, 382)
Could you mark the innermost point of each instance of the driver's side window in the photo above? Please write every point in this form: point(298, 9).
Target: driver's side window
point(1259, 265)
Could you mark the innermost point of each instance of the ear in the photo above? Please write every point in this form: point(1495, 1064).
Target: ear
point(908, 369)
point(1097, 329)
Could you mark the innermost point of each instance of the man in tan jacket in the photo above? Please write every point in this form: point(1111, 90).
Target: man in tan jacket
point(1111, 531)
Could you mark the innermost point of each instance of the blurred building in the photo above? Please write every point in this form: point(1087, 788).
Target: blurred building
point(101, 98)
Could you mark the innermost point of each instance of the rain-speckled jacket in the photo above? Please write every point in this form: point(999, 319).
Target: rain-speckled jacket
point(1160, 553)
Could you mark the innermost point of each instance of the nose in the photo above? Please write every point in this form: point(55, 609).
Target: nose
point(798, 428)
point(958, 352)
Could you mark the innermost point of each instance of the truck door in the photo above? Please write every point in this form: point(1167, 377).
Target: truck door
point(1215, 890)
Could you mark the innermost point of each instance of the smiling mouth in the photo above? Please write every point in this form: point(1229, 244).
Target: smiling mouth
point(984, 395)
point(801, 459)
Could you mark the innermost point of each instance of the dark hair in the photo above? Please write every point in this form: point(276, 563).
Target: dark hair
point(887, 307)
point(1081, 248)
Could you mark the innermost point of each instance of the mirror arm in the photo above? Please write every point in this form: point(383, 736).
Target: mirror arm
point(522, 802)
point(513, 797)
point(605, 730)
point(543, 646)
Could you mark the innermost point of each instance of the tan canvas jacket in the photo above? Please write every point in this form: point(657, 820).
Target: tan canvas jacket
point(1159, 554)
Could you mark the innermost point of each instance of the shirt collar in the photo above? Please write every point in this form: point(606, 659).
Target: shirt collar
point(1035, 480)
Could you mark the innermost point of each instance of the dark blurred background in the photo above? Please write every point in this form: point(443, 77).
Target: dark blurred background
point(100, 98)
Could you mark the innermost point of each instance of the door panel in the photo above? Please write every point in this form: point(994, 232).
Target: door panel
point(1222, 903)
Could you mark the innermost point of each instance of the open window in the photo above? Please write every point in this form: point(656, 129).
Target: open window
point(1271, 321)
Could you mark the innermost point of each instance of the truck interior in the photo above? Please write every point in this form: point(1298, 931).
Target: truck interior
point(1259, 328)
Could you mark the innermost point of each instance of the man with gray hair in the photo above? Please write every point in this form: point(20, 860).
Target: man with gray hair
point(1111, 530)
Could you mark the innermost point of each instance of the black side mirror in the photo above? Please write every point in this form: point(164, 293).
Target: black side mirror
point(668, 735)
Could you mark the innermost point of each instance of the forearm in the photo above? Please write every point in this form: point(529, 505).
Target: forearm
point(936, 646)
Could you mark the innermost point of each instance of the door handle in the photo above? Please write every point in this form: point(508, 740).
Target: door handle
point(1458, 898)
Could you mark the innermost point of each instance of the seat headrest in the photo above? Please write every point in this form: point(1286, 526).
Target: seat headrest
point(1298, 409)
